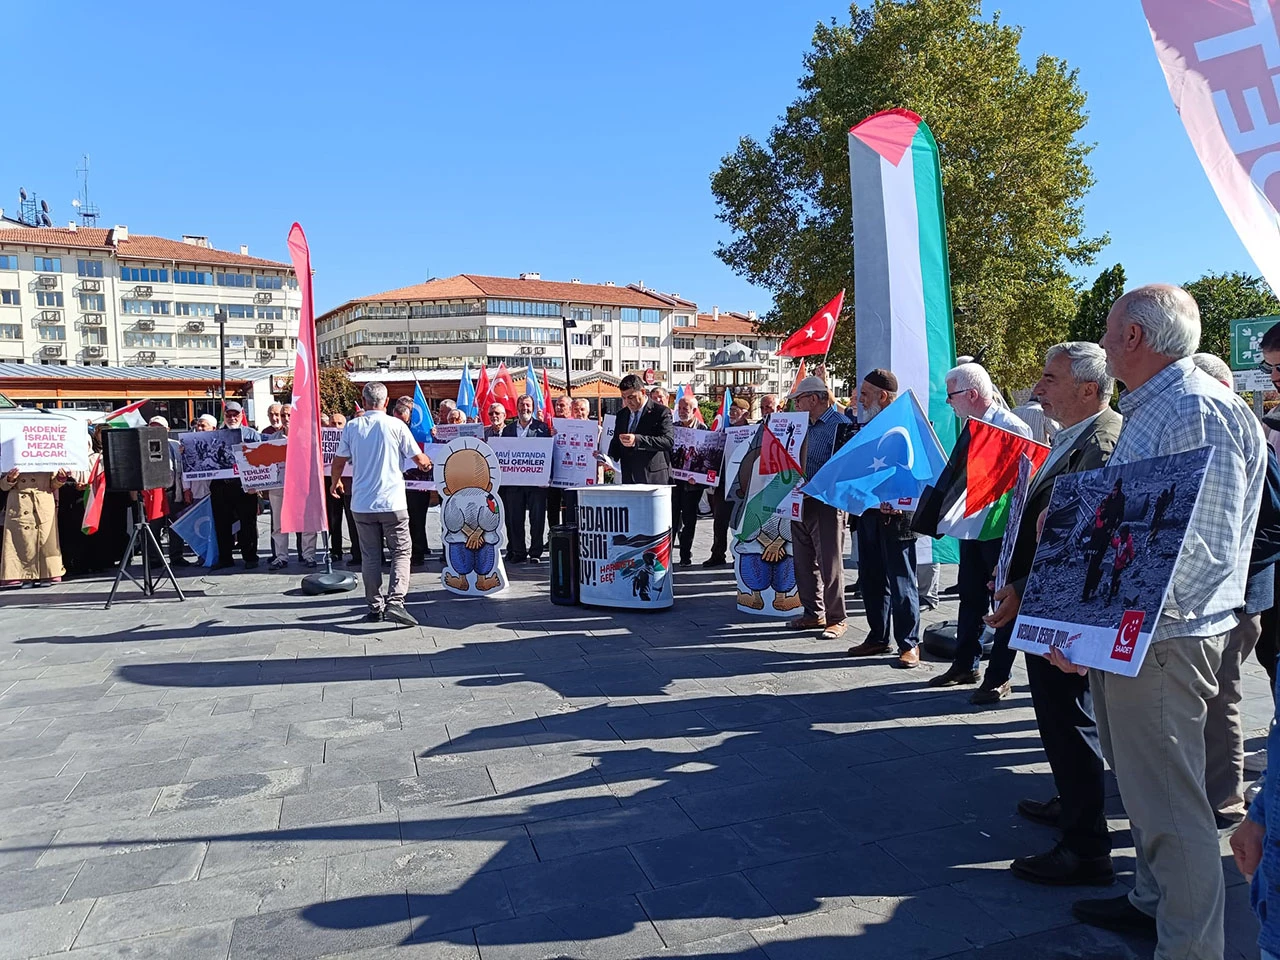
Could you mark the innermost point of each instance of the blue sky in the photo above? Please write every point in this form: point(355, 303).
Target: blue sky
point(571, 138)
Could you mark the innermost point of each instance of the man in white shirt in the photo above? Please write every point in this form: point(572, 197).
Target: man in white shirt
point(377, 446)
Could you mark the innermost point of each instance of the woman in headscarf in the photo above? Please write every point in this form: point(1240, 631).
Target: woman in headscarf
point(29, 549)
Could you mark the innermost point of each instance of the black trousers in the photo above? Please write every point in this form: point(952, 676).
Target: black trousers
point(977, 565)
point(521, 502)
point(555, 506)
point(684, 515)
point(418, 501)
point(230, 503)
point(721, 511)
point(887, 578)
point(337, 508)
point(1064, 714)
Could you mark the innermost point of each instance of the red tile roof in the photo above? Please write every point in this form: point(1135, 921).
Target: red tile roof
point(137, 247)
point(470, 285)
point(729, 325)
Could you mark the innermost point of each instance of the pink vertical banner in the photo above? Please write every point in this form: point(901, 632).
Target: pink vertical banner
point(303, 507)
point(1221, 59)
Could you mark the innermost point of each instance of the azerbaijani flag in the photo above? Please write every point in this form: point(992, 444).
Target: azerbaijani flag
point(775, 475)
point(973, 494)
point(134, 415)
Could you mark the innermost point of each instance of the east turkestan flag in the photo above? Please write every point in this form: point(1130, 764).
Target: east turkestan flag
point(972, 497)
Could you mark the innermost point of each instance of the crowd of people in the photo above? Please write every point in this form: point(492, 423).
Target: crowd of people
point(1172, 734)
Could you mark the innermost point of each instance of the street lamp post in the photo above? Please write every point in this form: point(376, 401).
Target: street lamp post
point(566, 324)
point(221, 318)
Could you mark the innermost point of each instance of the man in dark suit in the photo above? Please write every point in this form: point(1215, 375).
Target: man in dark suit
point(644, 436)
point(1075, 390)
point(520, 501)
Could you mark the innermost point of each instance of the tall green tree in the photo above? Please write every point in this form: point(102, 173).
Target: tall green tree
point(337, 393)
point(1224, 297)
point(1090, 321)
point(1013, 167)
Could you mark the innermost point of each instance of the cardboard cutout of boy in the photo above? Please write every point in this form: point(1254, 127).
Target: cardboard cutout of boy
point(472, 515)
point(763, 562)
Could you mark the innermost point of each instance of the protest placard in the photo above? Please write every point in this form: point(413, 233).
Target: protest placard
point(330, 437)
point(260, 466)
point(698, 455)
point(416, 479)
point(43, 444)
point(1105, 560)
point(452, 431)
point(209, 455)
point(733, 437)
point(573, 457)
point(524, 461)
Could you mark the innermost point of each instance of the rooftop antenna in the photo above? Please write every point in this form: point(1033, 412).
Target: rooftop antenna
point(88, 211)
point(32, 211)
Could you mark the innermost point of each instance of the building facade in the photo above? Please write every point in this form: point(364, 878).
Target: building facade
point(100, 297)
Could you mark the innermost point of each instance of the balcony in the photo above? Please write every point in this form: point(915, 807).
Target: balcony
point(266, 328)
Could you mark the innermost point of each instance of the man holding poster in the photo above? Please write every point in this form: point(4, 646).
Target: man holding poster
point(1151, 725)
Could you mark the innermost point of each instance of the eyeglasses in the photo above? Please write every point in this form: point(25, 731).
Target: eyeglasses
point(956, 393)
point(1266, 367)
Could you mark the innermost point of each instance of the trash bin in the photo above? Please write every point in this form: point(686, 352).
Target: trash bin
point(564, 564)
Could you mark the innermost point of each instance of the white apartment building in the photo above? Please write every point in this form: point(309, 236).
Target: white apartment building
point(440, 324)
point(101, 297)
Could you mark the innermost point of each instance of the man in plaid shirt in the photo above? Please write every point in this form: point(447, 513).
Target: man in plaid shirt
point(1152, 726)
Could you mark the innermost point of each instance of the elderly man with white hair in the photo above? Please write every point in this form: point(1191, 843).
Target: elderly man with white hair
point(1152, 726)
point(973, 396)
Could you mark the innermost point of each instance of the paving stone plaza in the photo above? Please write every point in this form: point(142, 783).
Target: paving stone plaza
point(256, 773)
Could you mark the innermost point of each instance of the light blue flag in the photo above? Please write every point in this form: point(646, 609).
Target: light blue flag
point(890, 459)
point(534, 389)
point(195, 527)
point(467, 394)
point(421, 423)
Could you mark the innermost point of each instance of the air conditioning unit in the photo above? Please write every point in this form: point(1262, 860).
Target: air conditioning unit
point(525, 351)
point(92, 319)
point(49, 316)
point(90, 286)
point(700, 355)
point(146, 356)
point(597, 353)
point(539, 351)
point(195, 326)
point(142, 291)
point(146, 324)
point(47, 281)
point(235, 363)
point(264, 356)
point(266, 327)
point(94, 351)
point(51, 350)
point(699, 378)
point(597, 328)
point(262, 297)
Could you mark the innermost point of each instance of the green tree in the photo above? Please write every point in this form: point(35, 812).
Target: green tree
point(337, 393)
point(1224, 297)
point(1014, 171)
point(1090, 321)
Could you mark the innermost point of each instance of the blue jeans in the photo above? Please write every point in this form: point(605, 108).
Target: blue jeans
point(887, 579)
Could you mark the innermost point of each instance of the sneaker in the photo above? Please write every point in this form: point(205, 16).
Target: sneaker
point(279, 563)
point(533, 561)
point(396, 613)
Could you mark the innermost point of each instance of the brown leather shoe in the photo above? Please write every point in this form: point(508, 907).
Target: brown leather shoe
point(909, 659)
point(835, 631)
point(806, 623)
point(868, 649)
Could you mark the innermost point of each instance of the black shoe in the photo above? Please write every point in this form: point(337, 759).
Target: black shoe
point(1116, 914)
point(984, 695)
point(533, 561)
point(373, 616)
point(952, 591)
point(224, 565)
point(355, 562)
point(954, 676)
point(712, 562)
point(511, 559)
point(396, 613)
point(685, 562)
point(1062, 868)
point(251, 564)
point(180, 562)
point(1046, 812)
point(417, 561)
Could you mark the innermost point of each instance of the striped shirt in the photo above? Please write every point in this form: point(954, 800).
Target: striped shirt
point(1181, 409)
point(820, 441)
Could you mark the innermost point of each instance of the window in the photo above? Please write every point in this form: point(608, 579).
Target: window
point(146, 308)
point(151, 340)
point(49, 298)
point(682, 366)
point(235, 279)
point(725, 341)
point(93, 302)
point(682, 320)
point(606, 315)
point(582, 365)
point(649, 315)
point(708, 343)
point(291, 313)
point(629, 365)
point(606, 340)
point(193, 276)
point(682, 343)
point(582, 339)
point(271, 343)
point(10, 297)
point(268, 283)
point(581, 314)
point(198, 341)
point(238, 311)
point(630, 315)
point(89, 268)
point(271, 313)
point(194, 309)
point(523, 308)
point(769, 345)
point(93, 336)
point(630, 342)
point(48, 265)
point(143, 275)
point(651, 342)
point(10, 331)
point(291, 283)
point(606, 366)
point(53, 332)
point(524, 335)
point(8, 261)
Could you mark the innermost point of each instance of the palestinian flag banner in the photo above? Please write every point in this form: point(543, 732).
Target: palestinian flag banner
point(773, 481)
point(93, 495)
point(134, 415)
point(902, 282)
point(973, 495)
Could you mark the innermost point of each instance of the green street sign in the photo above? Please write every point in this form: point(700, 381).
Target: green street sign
point(1246, 335)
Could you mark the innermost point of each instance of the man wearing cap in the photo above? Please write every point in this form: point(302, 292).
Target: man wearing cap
point(817, 540)
point(887, 554)
point(230, 503)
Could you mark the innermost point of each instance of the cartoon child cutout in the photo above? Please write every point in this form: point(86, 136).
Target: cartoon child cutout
point(765, 563)
point(472, 516)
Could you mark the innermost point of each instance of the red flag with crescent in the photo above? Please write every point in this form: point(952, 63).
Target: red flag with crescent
point(815, 336)
point(303, 506)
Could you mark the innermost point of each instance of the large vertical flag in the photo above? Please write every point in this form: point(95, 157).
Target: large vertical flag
point(302, 509)
point(504, 389)
point(1218, 59)
point(422, 422)
point(548, 406)
point(93, 498)
point(483, 395)
point(467, 393)
point(533, 389)
point(721, 422)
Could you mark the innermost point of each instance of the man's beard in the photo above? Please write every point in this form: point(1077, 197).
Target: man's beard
point(866, 414)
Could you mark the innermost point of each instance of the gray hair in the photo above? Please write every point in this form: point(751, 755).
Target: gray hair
point(275, 406)
point(375, 395)
point(972, 376)
point(1214, 366)
point(1088, 365)
point(1168, 316)
point(403, 405)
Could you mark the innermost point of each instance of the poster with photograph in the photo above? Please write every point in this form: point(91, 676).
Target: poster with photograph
point(574, 463)
point(1102, 570)
point(423, 480)
point(790, 429)
point(1017, 505)
point(260, 466)
point(733, 438)
point(698, 456)
point(210, 454)
point(524, 461)
point(446, 432)
point(43, 444)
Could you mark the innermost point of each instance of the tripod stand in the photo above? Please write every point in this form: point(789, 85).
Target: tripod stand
point(145, 537)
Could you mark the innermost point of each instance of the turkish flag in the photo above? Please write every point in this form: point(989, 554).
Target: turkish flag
point(484, 394)
point(504, 389)
point(815, 336)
